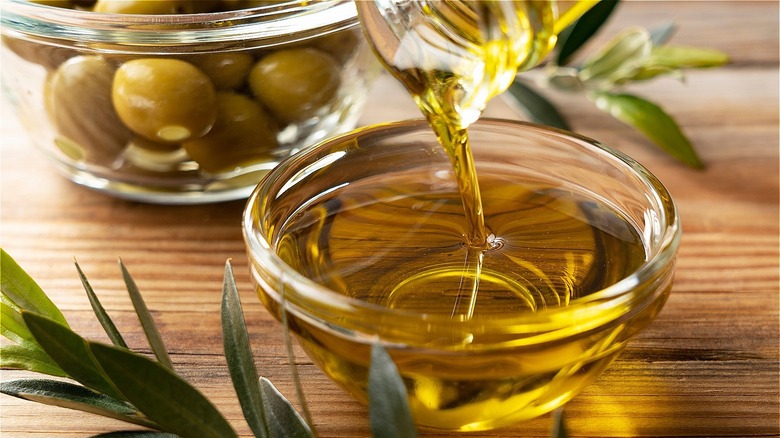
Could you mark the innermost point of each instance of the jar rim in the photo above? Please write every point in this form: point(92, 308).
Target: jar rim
point(259, 26)
point(660, 258)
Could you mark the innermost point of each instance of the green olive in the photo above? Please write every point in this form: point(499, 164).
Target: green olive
point(243, 132)
point(295, 84)
point(341, 45)
point(156, 7)
point(144, 157)
point(153, 146)
point(228, 71)
point(78, 99)
point(164, 100)
point(48, 56)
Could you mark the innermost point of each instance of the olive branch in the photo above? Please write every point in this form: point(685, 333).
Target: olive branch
point(631, 56)
point(114, 381)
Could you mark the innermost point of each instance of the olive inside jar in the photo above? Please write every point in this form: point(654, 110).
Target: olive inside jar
point(180, 102)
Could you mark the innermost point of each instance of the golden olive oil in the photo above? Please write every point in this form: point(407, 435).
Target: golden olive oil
point(461, 248)
point(397, 242)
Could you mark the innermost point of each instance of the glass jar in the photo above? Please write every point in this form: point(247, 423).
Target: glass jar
point(183, 108)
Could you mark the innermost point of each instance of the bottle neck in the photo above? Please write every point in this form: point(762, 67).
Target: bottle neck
point(456, 55)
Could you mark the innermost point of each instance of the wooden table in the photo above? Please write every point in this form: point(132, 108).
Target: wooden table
point(708, 366)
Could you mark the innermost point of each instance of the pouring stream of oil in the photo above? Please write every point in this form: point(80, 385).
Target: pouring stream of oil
point(454, 56)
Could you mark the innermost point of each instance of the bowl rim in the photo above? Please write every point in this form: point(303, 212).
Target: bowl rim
point(285, 22)
point(587, 308)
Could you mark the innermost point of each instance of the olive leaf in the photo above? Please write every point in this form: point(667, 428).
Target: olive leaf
point(623, 53)
point(71, 396)
point(21, 291)
point(633, 55)
point(12, 325)
point(238, 353)
point(652, 121)
point(576, 35)
point(147, 322)
point(388, 405)
point(100, 312)
point(267, 411)
point(283, 419)
point(680, 57)
point(133, 388)
point(642, 72)
point(536, 106)
point(30, 358)
point(70, 351)
point(164, 397)
point(666, 60)
point(27, 354)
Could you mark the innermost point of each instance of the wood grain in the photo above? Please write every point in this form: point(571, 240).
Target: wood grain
point(708, 366)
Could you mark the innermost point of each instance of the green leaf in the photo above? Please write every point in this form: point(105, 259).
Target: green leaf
point(666, 60)
point(652, 121)
point(626, 50)
point(147, 322)
point(645, 72)
point(238, 353)
point(29, 357)
point(71, 396)
point(165, 398)
point(686, 57)
point(576, 35)
point(538, 108)
point(283, 419)
point(70, 351)
point(100, 312)
point(12, 325)
point(559, 425)
point(388, 404)
point(23, 292)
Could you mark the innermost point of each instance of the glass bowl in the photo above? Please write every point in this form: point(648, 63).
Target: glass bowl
point(188, 107)
point(360, 239)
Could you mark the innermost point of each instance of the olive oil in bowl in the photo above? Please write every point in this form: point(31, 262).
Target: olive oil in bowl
point(362, 239)
point(501, 278)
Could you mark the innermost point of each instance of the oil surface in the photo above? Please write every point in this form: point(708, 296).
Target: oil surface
point(399, 243)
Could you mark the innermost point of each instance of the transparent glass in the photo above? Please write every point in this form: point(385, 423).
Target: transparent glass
point(454, 56)
point(209, 144)
point(339, 273)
